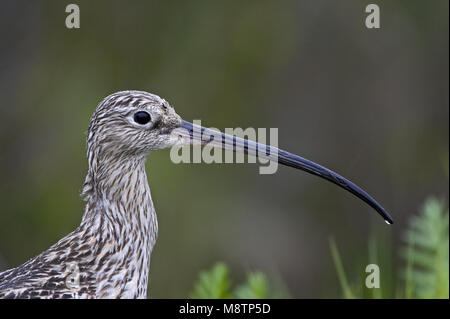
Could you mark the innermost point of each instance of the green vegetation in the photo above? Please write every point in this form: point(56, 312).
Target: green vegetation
point(424, 271)
point(427, 253)
point(217, 284)
point(425, 259)
point(340, 270)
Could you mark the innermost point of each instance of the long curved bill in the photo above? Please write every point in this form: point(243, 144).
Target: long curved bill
point(198, 134)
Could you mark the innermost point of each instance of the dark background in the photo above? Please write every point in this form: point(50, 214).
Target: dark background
point(370, 104)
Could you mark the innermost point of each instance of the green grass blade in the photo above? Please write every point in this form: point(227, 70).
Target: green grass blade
point(340, 270)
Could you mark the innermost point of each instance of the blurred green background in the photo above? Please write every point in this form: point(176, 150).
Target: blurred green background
point(372, 105)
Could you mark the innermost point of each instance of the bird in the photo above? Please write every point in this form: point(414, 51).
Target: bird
point(108, 254)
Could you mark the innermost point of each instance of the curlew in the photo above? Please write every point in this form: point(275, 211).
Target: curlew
point(108, 255)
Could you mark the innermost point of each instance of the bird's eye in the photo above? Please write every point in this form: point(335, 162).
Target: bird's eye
point(142, 117)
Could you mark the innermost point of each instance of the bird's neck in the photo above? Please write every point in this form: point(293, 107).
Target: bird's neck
point(120, 212)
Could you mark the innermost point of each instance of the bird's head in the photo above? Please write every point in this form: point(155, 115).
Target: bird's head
point(131, 124)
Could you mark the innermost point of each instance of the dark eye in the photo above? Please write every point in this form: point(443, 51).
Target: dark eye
point(142, 117)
